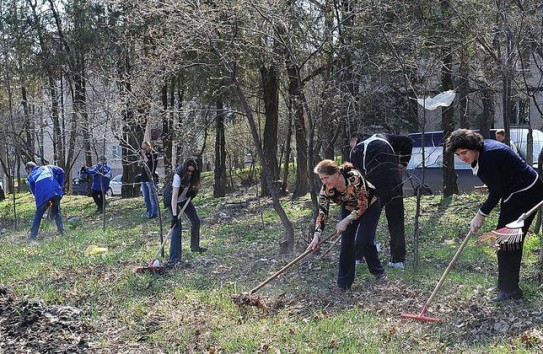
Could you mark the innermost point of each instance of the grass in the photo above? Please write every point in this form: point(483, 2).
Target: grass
point(190, 310)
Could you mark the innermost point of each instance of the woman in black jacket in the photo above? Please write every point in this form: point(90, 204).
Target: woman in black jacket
point(512, 183)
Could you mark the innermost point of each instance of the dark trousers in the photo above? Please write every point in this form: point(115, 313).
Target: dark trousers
point(392, 201)
point(98, 197)
point(175, 245)
point(509, 260)
point(359, 238)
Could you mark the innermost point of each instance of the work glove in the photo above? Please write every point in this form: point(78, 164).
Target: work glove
point(476, 223)
point(174, 222)
point(314, 245)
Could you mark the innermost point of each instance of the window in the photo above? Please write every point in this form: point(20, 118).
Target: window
point(116, 152)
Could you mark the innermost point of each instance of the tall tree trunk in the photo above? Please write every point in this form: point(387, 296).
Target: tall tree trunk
point(463, 90)
point(450, 185)
point(486, 121)
point(219, 188)
point(167, 124)
point(288, 151)
point(294, 91)
point(270, 87)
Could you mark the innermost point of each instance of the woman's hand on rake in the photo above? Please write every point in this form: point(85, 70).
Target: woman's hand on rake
point(314, 244)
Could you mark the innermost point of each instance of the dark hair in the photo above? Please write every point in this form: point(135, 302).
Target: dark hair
point(329, 167)
point(359, 136)
point(464, 139)
point(30, 166)
point(195, 175)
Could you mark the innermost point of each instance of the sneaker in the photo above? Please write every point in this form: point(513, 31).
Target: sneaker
point(200, 250)
point(381, 278)
point(398, 265)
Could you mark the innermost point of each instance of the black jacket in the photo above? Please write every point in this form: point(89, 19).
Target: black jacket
point(379, 156)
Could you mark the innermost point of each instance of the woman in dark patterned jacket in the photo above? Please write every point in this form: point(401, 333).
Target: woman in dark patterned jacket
point(360, 211)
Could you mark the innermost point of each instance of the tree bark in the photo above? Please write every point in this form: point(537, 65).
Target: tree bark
point(270, 87)
point(219, 188)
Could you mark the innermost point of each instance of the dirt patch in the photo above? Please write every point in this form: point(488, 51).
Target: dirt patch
point(29, 326)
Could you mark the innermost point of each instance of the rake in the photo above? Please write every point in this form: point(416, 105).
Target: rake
point(422, 316)
point(155, 266)
point(510, 236)
point(254, 300)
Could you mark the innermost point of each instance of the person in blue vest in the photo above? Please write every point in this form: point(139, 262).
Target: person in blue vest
point(512, 183)
point(381, 159)
point(45, 183)
point(100, 182)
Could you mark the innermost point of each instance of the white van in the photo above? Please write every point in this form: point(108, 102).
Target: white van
point(433, 176)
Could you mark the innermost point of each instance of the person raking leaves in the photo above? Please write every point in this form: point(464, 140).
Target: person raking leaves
point(360, 211)
point(185, 184)
point(512, 183)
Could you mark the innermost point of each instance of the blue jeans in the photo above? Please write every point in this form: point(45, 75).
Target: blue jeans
point(175, 245)
point(359, 236)
point(40, 210)
point(149, 195)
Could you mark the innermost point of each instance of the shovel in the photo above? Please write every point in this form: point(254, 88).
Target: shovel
point(155, 266)
point(253, 300)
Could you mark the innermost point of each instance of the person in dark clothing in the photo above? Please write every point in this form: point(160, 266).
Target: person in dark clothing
point(360, 211)
point(512, 183)
point(149, 165)
point(185, 184)
point(45, 183)
point(100, 182)
point(381, 159)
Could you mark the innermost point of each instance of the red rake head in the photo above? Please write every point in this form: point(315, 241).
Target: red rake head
point(506, 238)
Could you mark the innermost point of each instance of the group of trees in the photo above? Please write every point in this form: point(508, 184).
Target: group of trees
point(295, 78)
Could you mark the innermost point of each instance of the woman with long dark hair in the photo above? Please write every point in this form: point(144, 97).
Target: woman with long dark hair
point(185, 184)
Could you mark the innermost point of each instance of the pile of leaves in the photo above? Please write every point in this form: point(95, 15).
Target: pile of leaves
point(29, 326)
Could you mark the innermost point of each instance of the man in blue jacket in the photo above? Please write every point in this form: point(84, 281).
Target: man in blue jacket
point(100, 182)
point(381, 159)
point(45, 183)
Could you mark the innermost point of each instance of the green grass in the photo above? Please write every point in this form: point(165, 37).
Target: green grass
point(190, 310)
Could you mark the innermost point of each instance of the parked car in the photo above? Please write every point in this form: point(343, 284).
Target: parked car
point(79, 186)
point(433, 158)
point(115, 186)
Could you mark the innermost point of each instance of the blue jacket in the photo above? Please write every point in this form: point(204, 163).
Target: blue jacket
point(504, 173)
point(45, 182)
point(101, 176)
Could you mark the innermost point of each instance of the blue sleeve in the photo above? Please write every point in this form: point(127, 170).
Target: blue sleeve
point(59, 175)
point(31, 185)
point(91, 170)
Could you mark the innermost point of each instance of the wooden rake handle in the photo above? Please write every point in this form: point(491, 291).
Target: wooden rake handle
point(449, 267)
point(171, 229)
point(290, 264)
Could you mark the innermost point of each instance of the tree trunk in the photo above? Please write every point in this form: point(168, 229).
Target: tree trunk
point(294, 91)
point(219, 188)
point(450, 185)
point(167, 125)
point(463, 90)
point(270, 87)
